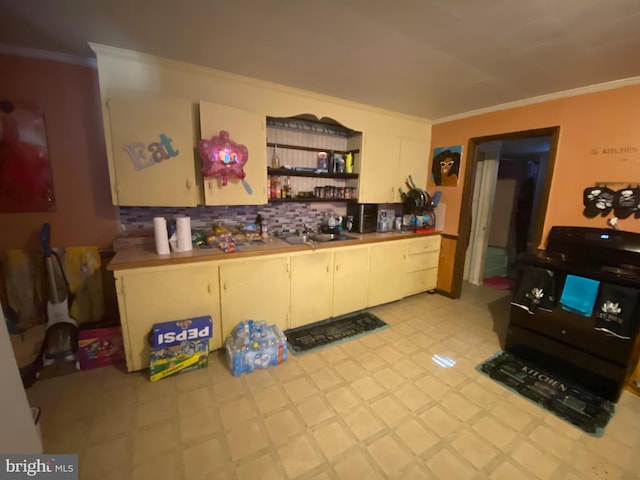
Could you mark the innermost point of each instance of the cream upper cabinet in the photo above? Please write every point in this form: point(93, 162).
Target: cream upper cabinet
point(245, 128)
point(350, 279)
point(387, 278)
point(311, 287)
point(379, 168)
point(163, 295)
point(151, 150)
point(255, 289)
point(414, 161)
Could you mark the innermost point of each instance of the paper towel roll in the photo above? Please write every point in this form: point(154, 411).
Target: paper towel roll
point(183, 230)
point(161, 235)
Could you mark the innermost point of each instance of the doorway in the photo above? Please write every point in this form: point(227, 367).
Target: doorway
point(504, 201)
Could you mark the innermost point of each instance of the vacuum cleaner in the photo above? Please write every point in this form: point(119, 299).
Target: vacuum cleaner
point(61, 337)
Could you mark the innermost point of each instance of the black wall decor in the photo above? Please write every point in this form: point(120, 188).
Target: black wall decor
point(600, 200)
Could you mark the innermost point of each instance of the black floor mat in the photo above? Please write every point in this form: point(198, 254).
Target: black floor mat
point(575, 405)
point(320, 334)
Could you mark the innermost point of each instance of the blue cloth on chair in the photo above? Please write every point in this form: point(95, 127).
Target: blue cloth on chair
point(579, 295)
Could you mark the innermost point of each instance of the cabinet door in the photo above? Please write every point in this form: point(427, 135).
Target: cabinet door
point(161, 296)
point(350, 280)
point(387, 272)
point(414, 161)
point(311, 287)
point(379, 168)
point(151, 150)
point(246, 128)
point(255, 290)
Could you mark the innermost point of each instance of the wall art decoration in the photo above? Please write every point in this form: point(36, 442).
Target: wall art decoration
point(600, 200)
point(26, 179)
point(445, 167)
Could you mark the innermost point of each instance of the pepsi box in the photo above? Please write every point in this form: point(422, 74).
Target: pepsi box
point(167, 334)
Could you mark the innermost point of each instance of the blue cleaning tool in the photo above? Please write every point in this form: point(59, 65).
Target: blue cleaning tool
point(436, 199)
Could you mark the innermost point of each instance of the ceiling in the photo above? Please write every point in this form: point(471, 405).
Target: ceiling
point(432, 58)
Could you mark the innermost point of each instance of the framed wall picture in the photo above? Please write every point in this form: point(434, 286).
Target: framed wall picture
point(445, 166)
point(26, 180)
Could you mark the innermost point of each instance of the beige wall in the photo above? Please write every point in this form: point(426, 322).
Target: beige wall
point(607, 119)
point(69, 97)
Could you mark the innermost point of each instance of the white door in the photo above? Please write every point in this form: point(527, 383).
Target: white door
point(482, 206)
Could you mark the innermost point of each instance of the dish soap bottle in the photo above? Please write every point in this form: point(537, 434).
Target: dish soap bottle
point(275, 159)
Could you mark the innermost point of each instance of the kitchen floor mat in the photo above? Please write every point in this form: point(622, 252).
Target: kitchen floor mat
point(573, 404)
point(321, 334)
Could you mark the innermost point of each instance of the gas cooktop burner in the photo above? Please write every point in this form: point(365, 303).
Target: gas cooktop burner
point(551, 256)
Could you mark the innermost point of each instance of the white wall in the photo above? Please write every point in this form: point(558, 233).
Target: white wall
point(18, 433)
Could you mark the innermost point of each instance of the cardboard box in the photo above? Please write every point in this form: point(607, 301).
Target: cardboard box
point(177, 359)
point(98, 347)
point(167, 334)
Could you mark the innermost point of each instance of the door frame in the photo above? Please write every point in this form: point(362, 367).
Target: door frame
point(464, 228)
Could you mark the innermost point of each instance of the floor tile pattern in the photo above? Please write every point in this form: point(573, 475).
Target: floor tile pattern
point(374, 407)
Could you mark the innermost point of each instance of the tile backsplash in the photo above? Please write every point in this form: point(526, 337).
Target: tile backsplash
point(281, 217)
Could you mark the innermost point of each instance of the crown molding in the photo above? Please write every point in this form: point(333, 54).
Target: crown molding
point(47, 55)
point(543, 98)
point(117, 52)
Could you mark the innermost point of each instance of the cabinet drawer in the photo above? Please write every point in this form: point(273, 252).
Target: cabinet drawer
point(421, 281)
point(421, 261)
point(424, 244)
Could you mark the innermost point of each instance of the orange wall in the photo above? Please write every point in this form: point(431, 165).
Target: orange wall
point(607, 119)
point(70, 99)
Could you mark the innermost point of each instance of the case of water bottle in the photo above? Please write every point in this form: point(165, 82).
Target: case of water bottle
point(254, 344)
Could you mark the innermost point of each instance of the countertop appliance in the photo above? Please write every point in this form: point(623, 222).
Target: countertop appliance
point(365, 216)
point(567, 343)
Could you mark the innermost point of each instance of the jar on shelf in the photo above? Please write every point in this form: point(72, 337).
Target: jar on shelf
point(323, 162)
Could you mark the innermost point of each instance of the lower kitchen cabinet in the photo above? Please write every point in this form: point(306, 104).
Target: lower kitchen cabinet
point(387, 279)
point(350, 279)
point(256, 289)
point(311, 287)
point(421, 266)
point(289, 290)
point(161, 295)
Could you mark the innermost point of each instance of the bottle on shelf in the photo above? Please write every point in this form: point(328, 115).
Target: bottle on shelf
point(349, 162)
point(287, 188)
point(278, 189)
point(331, 162)
point(275, 159)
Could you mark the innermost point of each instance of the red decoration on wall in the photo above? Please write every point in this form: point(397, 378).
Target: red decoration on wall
point(26, 180)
